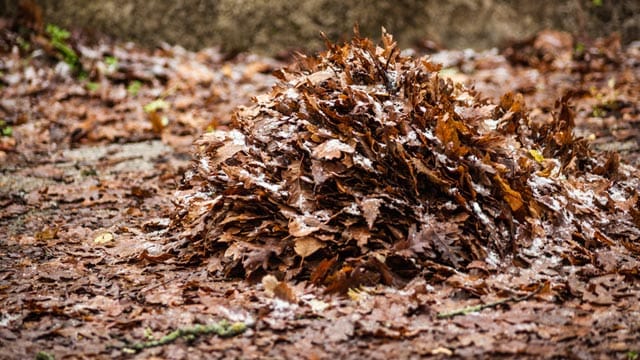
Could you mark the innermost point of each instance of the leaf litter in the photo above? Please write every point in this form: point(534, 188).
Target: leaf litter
point(373, 159)
point(76, 165)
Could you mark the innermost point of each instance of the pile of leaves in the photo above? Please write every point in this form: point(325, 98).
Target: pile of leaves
point(364, 166)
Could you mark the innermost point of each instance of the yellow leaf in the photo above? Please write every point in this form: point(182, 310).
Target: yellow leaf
point(354, 294)
point(537, 156)
point(358, 294)
point(156, 105)
point(227, 70)
point(103, 238)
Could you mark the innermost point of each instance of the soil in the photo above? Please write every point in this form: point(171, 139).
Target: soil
point(87, 179)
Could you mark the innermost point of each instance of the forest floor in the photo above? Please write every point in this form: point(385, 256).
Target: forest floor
point(91, 153)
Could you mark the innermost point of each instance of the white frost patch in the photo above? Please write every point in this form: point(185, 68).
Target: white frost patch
point(493, 259)
point(377, 108)
point(536, 181)
point(198, 195)
point(280, 305)
point(204, 164)
point(259, 180)
point(291, 93)
point(449, 205)
point(332, 149)
point(584, 197)
point(617, 194)
point(363, 162)
point(237, 137)
point(352, 209)
point(286, 132)
point(481, 189)
point(536, 248)
point(481, 215)
point(233, 315)
point(6, 319)
point(410, 139)
point(492, 124)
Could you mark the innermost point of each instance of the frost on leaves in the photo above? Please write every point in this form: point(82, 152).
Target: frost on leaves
point(362, 166)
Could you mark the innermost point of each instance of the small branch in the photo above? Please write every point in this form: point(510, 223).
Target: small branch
point(222, 329)
point(476, 308)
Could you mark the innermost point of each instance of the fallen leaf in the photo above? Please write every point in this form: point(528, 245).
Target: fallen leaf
point(103, 238)
point(301, 226)
point(269, 282)
point(318, 306)
point(305, 246)
point(537, 156)
point(279, 289)
point(441, 351)
point(371, 209)
point(332, 149)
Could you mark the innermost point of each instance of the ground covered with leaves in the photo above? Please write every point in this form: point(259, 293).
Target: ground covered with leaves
point(364, 207)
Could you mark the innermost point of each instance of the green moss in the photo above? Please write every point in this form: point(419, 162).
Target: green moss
point(222, 329)
point(134, 87)
point(93, 86)
point(5, 129)
point(59, 39)
point(43, 355)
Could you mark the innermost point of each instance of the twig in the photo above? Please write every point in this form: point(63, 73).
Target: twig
point(476, 308)
point(222, 329)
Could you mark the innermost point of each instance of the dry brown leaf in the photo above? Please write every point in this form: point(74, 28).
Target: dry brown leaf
point(371, 209)
point(332, 149)
point(306, 246)
point(513, 198)
point(302, 226)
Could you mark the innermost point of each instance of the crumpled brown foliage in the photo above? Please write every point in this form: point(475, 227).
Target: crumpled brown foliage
point(363, 166)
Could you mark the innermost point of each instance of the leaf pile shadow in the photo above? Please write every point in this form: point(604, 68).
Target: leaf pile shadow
point(363, 166)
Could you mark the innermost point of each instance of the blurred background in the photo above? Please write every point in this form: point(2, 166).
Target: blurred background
point(273, 26)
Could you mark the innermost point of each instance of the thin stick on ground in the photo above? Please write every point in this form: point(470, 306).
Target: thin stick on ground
point(476, 308)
